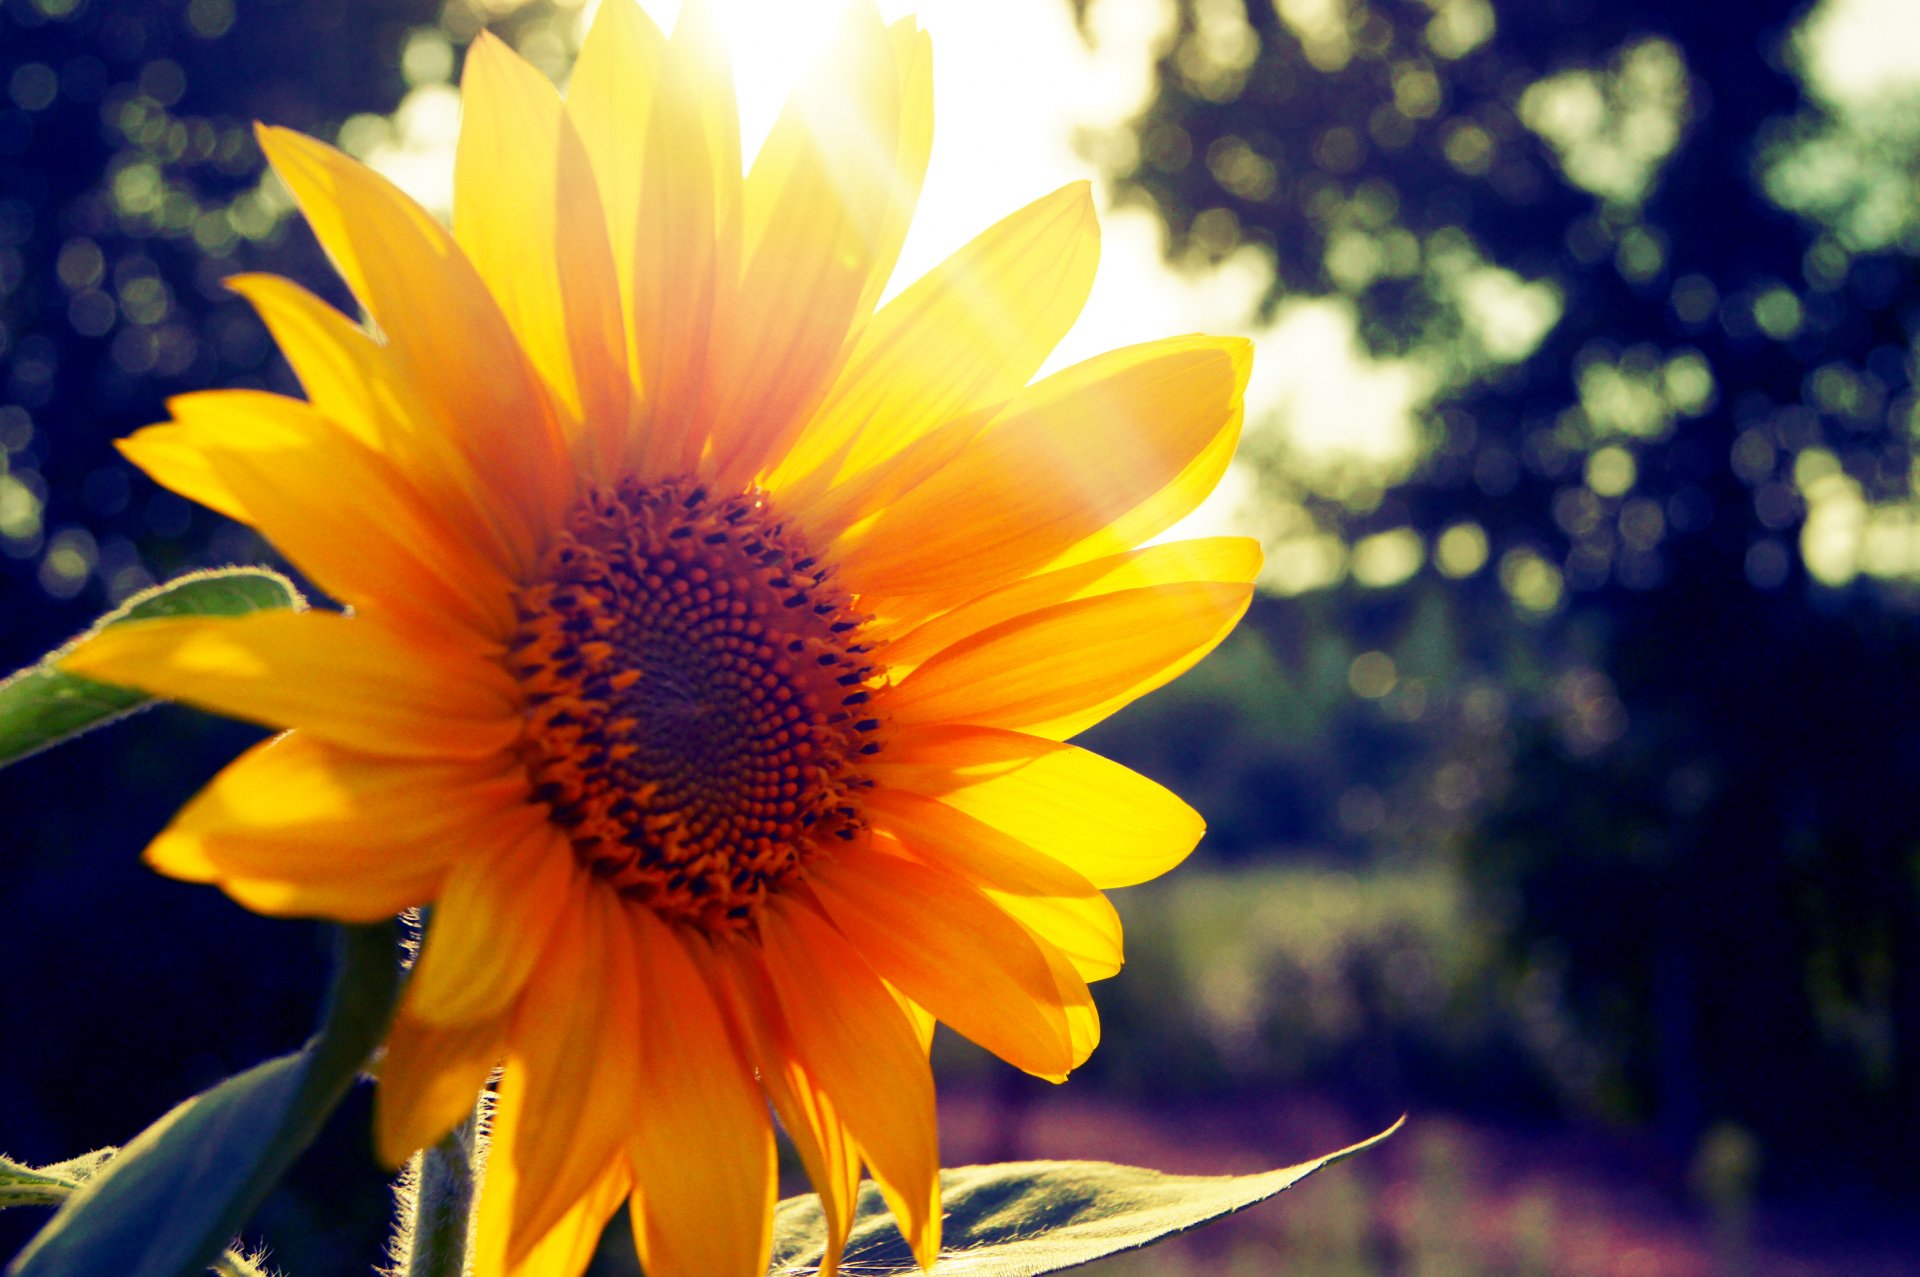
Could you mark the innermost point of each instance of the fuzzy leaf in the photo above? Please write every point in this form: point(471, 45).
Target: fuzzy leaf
point(1019, 1219)
point(41, 706)
point(167, 1204)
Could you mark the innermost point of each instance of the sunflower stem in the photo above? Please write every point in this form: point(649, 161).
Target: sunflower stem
point(446, 1186)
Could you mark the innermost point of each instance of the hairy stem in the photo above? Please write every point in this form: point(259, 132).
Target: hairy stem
point(444, 1192)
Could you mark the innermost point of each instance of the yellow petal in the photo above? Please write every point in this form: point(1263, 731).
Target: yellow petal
point(708, 1214)
point(1069, 457)
point(678, 275)
point(913, 63)
point(345, 372)
point(807, 1113)
point(1085, 930)
point(817, 205)
point(442, 327)
point(568, 1091)
point(950, 949)
point(1053, 901)
point(430, 1079)
point(491, 921)
point(1062, 669)
point(175, 460)
point(700, 49)
point(527, 213)
point(969, 333)
point(609, 101)
point(1173, 502)
point(569, 1245)
point(1101, 819)
point(299, 826)
point(1229, 559)
point(307, 486)
point(1083, 1017)
point(348, 680)
point(855, 1040)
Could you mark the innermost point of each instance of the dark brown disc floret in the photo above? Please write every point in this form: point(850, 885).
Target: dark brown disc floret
point(696, 694)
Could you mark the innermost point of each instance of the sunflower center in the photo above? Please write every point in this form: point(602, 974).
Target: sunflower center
point(695, 690)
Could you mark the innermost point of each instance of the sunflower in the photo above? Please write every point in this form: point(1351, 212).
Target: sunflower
point(711, 637)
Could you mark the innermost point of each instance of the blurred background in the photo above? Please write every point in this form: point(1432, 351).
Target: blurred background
point(1561, 783)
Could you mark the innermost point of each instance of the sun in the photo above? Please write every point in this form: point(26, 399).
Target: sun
point(769, 42)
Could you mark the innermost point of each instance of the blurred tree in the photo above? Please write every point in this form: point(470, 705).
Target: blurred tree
point(1655, 270)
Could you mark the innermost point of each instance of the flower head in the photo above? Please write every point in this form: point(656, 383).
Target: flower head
point(714, 636)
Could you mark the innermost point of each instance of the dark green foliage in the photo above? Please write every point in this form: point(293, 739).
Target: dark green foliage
point(165, 1205)
point(1704, 812)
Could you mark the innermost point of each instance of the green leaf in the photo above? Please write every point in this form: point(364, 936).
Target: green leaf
point(168, 1203)
point(1023, 1218)
point(41, 706)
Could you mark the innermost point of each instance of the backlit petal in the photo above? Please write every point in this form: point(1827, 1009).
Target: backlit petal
point(712, 1212)
point(1229, 559)
point(817, 207)
point(679, 276)
point(527, 213)
point(609, 101)
point(570, 1243)
point(285, 467)
point(853, 1038)
point(411, 276)
point(349, 680)
point(347, 374)
point(1101, 819)
point(299, 826)
point(568, 1092)
point(492, 919)
point(1068, 458)
point(430, 1079)
point(947, 946)
point(807, 1113)
point(1062, 669)
point(969, 333)
point(1052, 900)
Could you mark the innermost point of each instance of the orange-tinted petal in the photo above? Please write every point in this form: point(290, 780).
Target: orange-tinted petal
point(679, 275)
point(430, 1079)
point(1231, 559)
point(307, 486)
point(817, 203)
point(567, 1095)
point(857, 1042)
point(1070, 456)
point(1101, 819)
point(1053, 901)
point(346, 373)
point(1062, 669)
point(969, 333)
point(491, 921)
point(949, 948)
point(299, 826)
point(708, 1211)
point(348, 680)
point(414, 281)
point(570, 1243)
point(609, 101)
point(527, 213)
point(819, 1136)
